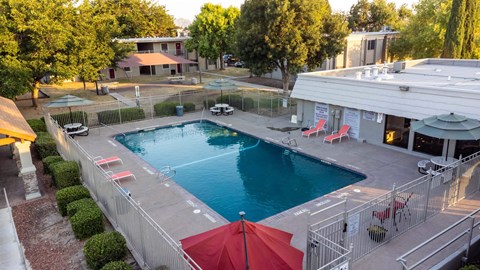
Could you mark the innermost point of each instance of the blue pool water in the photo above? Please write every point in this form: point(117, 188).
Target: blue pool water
point(231, 171)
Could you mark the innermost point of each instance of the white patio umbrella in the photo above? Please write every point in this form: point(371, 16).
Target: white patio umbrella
point(69, 101)
point(448, 127)
point(222, 85)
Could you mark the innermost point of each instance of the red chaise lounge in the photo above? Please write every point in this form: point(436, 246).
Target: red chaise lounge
point(343, 132)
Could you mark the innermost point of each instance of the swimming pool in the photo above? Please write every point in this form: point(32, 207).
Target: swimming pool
point(231, 171)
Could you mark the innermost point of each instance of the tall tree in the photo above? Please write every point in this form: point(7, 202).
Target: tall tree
point(454, 37)
point(471, 21)
point(423, 35)
point(382, 14)
point(43, 32)
point(359, 17)
point(213, 31)
point(287, 35)
point(137, 18)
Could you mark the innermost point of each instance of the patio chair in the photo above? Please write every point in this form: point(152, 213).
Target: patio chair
point(120, 175)
point(343, 132)
point(99, 161)
point(319, 127)
point(401, 204)
point(422, 166)
point(384, 215)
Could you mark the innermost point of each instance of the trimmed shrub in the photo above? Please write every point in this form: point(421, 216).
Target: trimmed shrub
point(168, 108)
point(103, 248)
point(235, 100)
point(68, 195)
point(65, 174)
point(48, 161)
point(117, 265)
point(165, 108)
point(45, 145)
point(86, 218)
point(188, 107)
point(127, 114)
point(209, 103)
point(77, 117)
point(37, 125)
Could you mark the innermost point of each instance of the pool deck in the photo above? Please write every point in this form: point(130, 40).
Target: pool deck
point(173, 208)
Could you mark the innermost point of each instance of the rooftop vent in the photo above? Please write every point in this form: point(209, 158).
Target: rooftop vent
point(399, 66)
point(358, 75)
point(367, 72)
point(375, 71)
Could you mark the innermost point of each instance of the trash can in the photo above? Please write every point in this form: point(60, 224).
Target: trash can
point(104, 89)
point(179, 110)
point(194, 81)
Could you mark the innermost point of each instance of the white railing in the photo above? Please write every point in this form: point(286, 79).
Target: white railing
point(150, 244)
point(399, 210)
point(16, 239)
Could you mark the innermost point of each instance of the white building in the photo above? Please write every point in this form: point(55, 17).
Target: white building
point(380, 102)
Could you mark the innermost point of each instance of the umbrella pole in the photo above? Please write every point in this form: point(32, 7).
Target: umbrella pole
point(448, 145)
point(71, 117)
point(244, 239)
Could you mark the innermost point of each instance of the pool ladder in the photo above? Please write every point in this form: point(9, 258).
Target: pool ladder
point(166, 173)
point(289, 141)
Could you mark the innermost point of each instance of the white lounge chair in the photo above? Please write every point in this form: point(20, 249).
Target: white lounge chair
point(99, 161)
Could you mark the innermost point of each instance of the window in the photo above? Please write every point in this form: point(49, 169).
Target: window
point(166, 66)
point(371, 44)
point(127, 69)
point(164, 47)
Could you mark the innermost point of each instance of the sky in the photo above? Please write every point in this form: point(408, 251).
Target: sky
point(187, 9)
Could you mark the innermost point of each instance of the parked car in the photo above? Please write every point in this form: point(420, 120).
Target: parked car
point(239, 64)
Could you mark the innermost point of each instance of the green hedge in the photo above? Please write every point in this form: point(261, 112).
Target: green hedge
point(235, 100)
point(209, 103)
point(168, 108)
point(49, 161)
point(37, 125)
point(77, 117)
point(68, 195)
point(65, 174)
point(45, 145)
point(103, 248)
point(86, 218)
point(117, 265)
point(127, 114)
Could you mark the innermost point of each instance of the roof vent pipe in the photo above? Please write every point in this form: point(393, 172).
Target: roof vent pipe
point(367, 72)
point(375, 71)
point(358, 75)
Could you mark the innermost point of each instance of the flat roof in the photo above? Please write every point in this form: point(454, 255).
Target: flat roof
point(438, 73)
point(422, 89)
point(151, 39)
point(152, 59)
point(12, 122)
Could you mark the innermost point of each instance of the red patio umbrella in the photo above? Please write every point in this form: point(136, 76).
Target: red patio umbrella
point(223, 248)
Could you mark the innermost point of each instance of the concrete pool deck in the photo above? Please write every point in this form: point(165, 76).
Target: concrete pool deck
point(173, 208)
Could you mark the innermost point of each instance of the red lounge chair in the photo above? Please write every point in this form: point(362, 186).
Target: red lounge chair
point(319, 127)
point(343, 132)
point(120, 175)
point(99, 161)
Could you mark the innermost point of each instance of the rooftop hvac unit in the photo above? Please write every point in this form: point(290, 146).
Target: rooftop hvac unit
point(399, 66)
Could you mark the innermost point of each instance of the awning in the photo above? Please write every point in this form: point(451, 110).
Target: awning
point(13, 124)
point(152, 59)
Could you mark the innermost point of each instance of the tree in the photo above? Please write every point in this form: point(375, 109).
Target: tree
point(422, 36)
point(471, 20)
point(359, 18)
point(382, 14)
point(455, 34)
point(287, 35)
point(42, 30)
point(213, 32)
point(137, 18)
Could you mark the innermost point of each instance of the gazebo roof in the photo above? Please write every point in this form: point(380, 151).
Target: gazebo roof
point(152, 59)
point(13, 124)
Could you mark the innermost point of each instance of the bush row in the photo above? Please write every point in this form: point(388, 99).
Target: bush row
point(37, 125)
point(86, 218)
point(49, 161)
point(68, 195)
point(45, 145)
point(103, 248)
point(117, 265)
point(126, 114)
point(65, 174)
point(168, 108)
point(67, 118)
